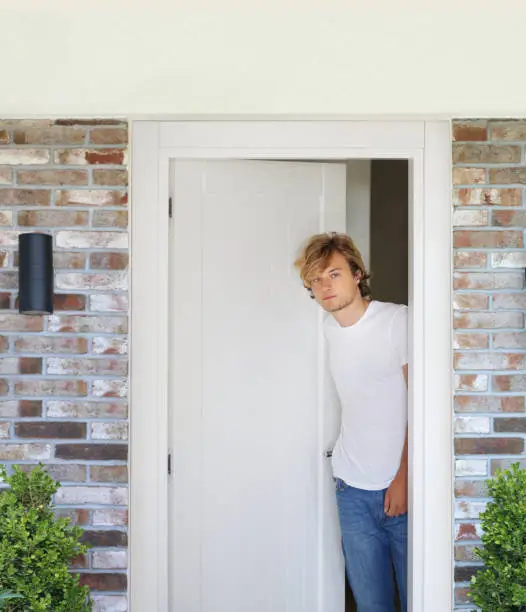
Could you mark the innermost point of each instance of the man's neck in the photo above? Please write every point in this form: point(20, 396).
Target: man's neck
point(351, 314)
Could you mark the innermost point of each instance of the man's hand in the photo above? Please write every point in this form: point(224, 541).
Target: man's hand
point(396, 496)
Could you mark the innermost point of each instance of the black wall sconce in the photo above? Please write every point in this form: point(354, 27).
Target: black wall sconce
point(35, 274)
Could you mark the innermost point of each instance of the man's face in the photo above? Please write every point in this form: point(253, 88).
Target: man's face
point(335, 288)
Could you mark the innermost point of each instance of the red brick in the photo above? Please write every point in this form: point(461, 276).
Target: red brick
point(466, 531)
point(52, 177)
point(104, 581)
point(489, 403)
point(488, 361)
point(55, 135)
point(85, 157)
point(471, 382)
point(69, 261)
point(491, 239)
point(476, 130)
point(51, 387)
point(92, 452)
point(80, 562)
point(77, 516)
point(30, 408)
point(509, 340)
point(5, 137)
point(87, 197)
point(52, 218)
point(69, 301)
point(107, 218)
point(508, 218)
point(4, 259)
point(489, 446)
point(469, 176)
point(510, 382)
point(488, 280)
point(4, 344)
point(106, 538)
point(470, 301)
point(109, 136)
point(488, 320)
point(15, 322)
point(25, 197)
point(483, 196)
point(51, 344)
point(50, 430)
point(109, 261)
point(63, 472)
point(30, 365)
point(108, 473)
point(486, 153)
point(89, 122)
point(510, 425)
point(87, 324)
point(6, 176)
point(464, 573)
point(5, 301)
point(508, 130)
point(110, 177)
point(507, 176)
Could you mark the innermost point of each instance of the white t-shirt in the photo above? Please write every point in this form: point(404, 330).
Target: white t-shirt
point(366, 361)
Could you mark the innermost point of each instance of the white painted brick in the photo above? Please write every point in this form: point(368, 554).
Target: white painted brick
point(110, 559)
point(26, 157)
point(104, 345)
point(108, 281)
point(516, 259)
point(117, 496)
point(4, 430)
point(469, 509)
point(471, 382)
point(471, 467)
point(472, 425)
point(473, 218)
point(110, 603)
point(92, 240)
point(110, 517)
point(109, 431)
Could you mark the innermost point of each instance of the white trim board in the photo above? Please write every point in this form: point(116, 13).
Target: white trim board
point(426, 144)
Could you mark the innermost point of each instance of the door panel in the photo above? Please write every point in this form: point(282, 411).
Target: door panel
point(253, 519)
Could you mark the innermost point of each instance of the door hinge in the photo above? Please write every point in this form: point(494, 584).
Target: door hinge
point(169, 464)
point(170, 208)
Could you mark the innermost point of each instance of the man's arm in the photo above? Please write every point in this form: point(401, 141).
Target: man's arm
point(396, 496)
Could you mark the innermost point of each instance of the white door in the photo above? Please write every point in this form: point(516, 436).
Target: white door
point(253, 523)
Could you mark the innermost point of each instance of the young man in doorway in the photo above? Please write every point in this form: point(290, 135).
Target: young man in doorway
point(367, 342)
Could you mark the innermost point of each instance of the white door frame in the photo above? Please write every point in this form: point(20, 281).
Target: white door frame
point(427, 146)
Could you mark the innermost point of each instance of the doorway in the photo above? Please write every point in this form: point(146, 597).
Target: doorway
point(377, 218)
point(426, 146)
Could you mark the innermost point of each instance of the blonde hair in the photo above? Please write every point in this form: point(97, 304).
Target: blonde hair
point(318, 251)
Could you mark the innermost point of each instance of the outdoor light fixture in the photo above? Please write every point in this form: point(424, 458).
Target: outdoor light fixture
point(35, 274)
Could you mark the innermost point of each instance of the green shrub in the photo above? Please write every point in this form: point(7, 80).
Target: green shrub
point(501, 585)
point(5, 596)
point(36, 548)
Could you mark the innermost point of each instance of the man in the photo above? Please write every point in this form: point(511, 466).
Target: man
point(367, 342)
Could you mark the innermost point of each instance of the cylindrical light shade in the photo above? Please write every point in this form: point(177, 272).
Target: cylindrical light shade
point(35, 274)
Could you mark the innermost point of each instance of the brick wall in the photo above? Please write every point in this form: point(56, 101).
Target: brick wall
point(489, 177)
point(63, 378)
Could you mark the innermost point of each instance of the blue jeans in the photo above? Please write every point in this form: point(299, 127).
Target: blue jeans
point(372, 544)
